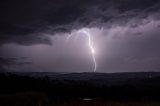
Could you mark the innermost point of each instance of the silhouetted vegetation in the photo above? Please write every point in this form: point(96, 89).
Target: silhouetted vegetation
point(131, 89)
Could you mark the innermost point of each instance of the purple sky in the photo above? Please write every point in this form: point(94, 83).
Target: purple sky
point(125, 35)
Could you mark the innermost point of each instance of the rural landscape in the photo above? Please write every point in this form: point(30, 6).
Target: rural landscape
point(80, 89)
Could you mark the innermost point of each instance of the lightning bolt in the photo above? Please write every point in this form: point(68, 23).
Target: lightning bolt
point(90, 45)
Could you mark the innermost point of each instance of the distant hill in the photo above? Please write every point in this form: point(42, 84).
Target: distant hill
point(90, 75)
point(99, 78)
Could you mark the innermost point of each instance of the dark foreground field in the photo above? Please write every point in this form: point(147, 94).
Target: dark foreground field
point(79, 89)
point(38, 99)
point(108, 103)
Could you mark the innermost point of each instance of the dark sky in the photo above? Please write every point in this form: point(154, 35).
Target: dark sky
point(34, 35)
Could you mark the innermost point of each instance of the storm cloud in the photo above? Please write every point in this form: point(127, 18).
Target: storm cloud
point(125, 33)
point(23, 21)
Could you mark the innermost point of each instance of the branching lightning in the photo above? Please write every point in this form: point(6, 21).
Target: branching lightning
point(90, 44)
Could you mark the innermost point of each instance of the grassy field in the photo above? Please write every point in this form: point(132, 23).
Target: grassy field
point(38, 99)
point(107, 103)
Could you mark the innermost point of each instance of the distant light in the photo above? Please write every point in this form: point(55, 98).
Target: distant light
point(87, 99)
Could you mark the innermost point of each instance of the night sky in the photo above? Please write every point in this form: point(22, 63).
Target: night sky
point(44, 35)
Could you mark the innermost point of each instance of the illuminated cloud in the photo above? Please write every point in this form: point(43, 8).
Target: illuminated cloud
point(125, 34)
